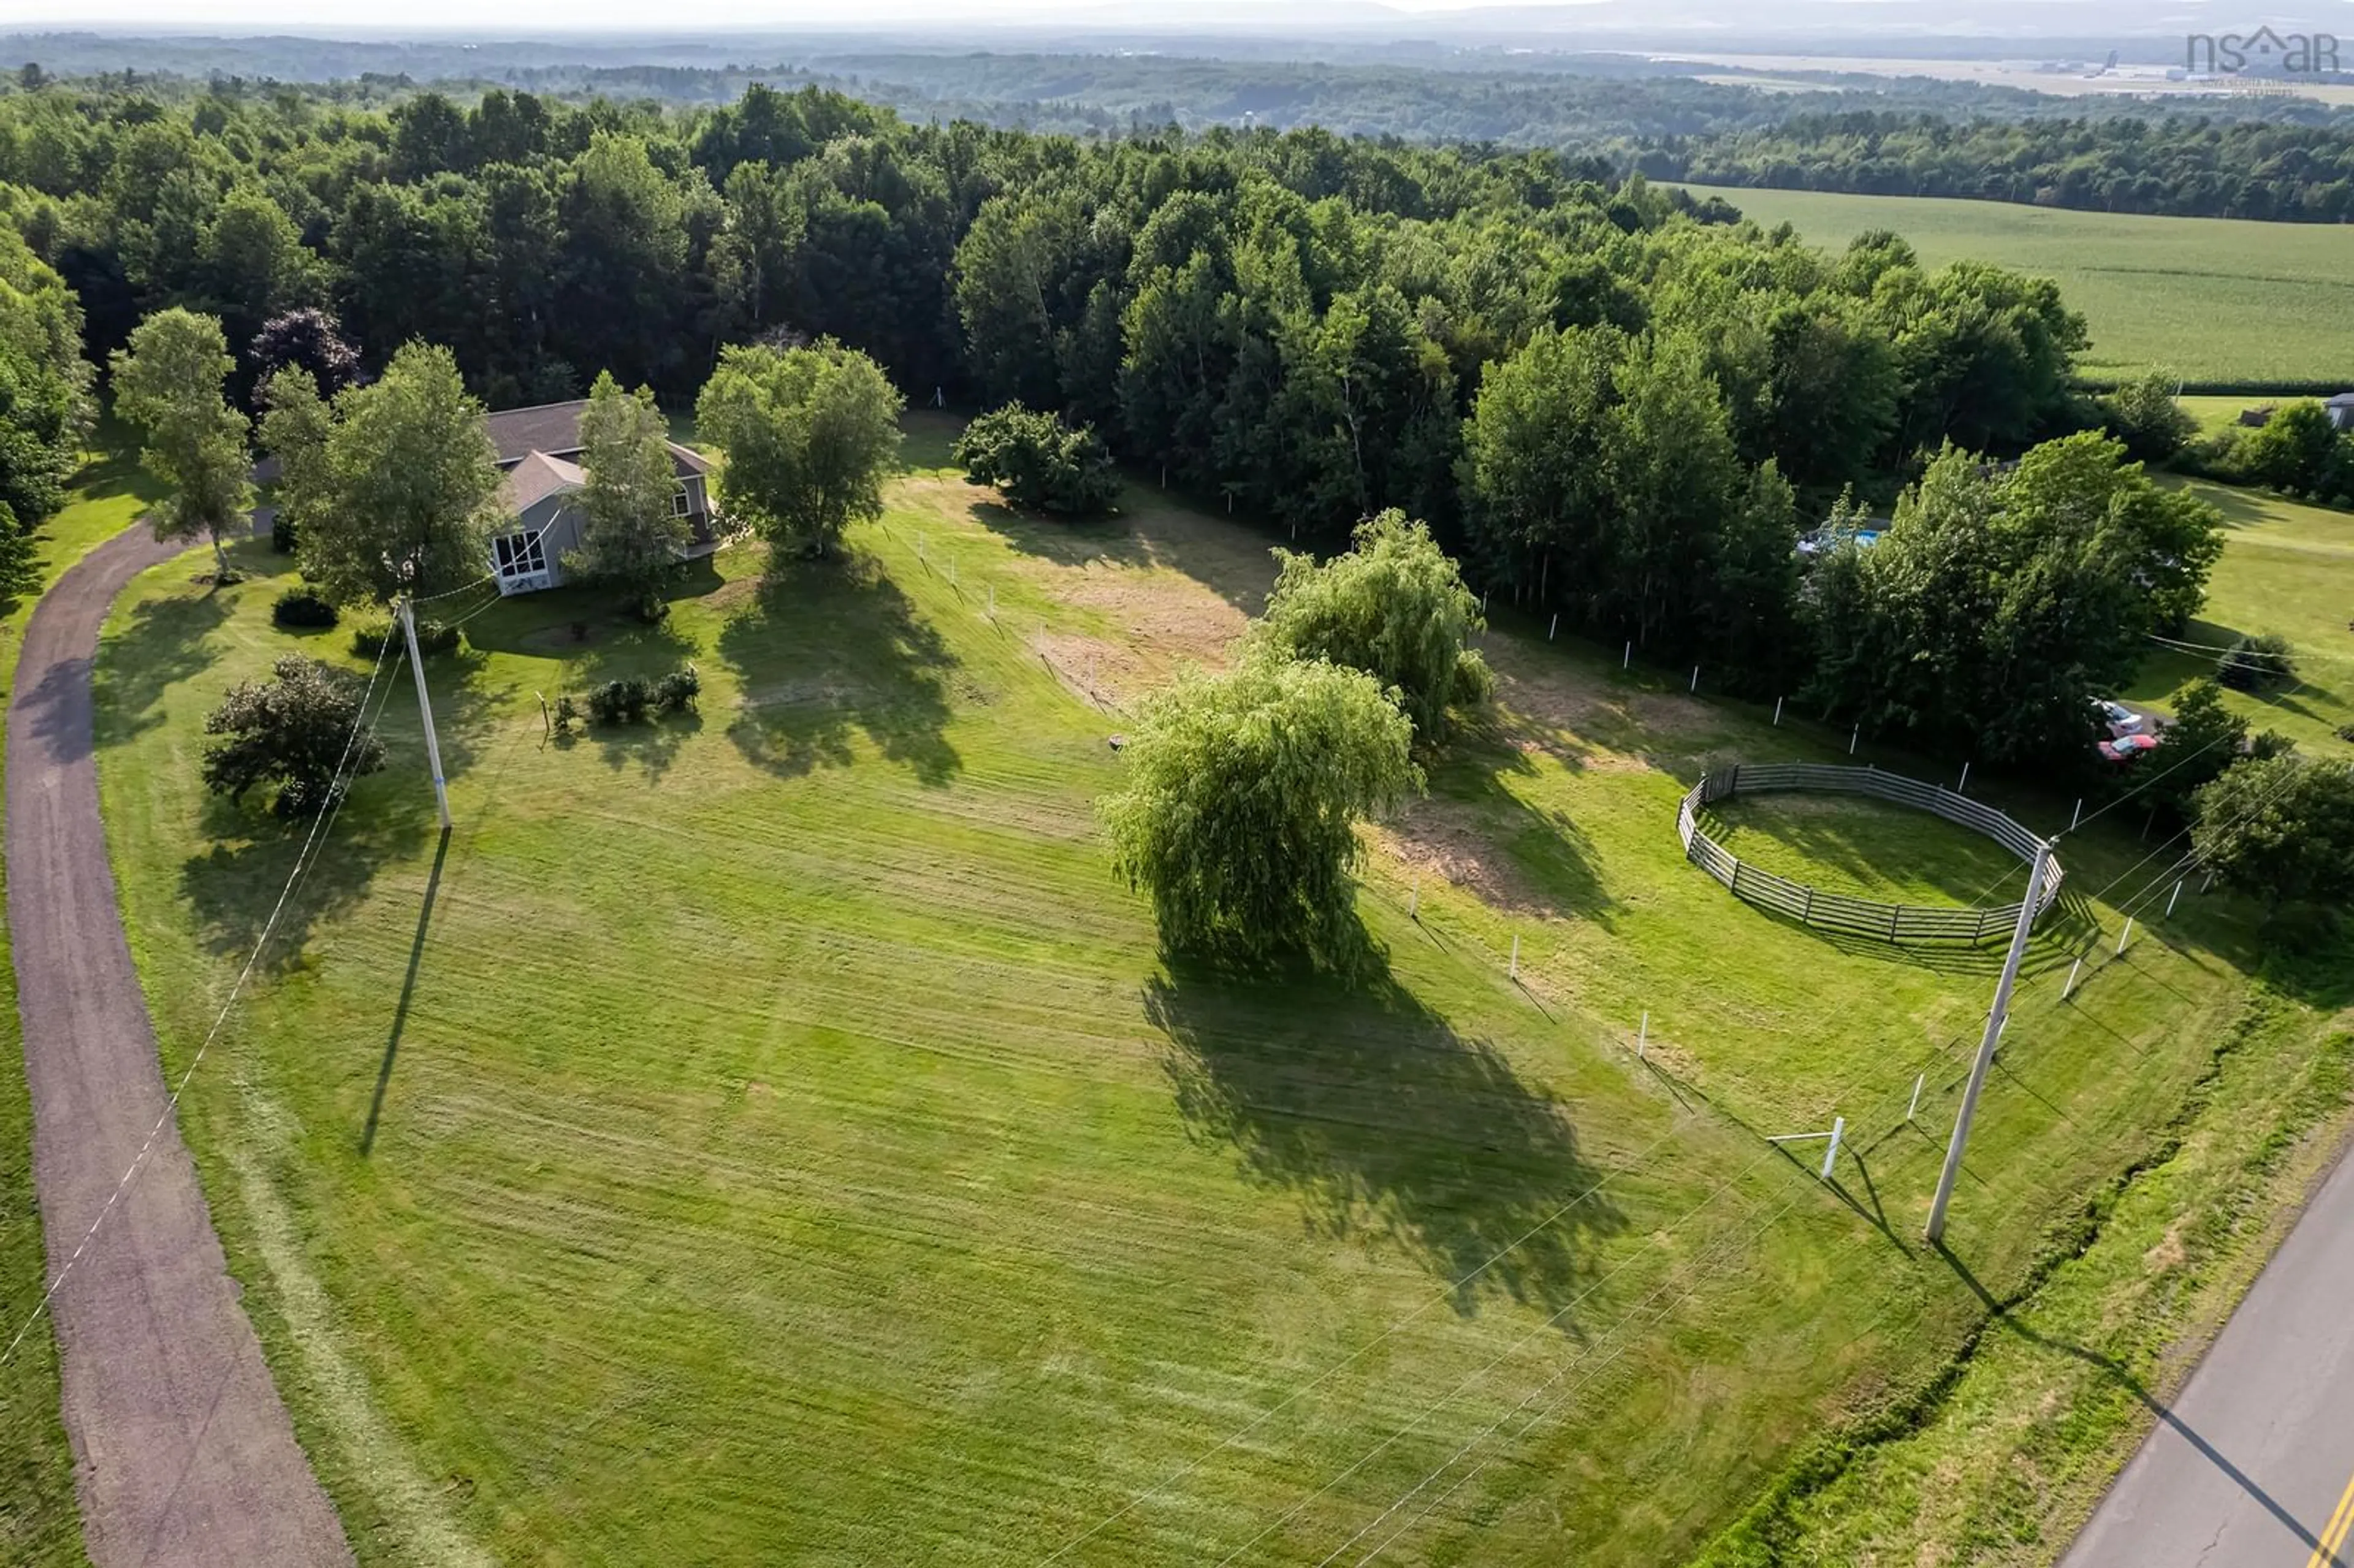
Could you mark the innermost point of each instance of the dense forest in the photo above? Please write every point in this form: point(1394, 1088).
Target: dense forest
point(2188, 167)
point(1596, 399)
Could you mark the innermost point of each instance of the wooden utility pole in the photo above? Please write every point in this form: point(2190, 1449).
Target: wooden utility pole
point(1995, 1018)
point(425, 712)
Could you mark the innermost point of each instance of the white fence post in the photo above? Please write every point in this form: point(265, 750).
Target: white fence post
point(1642, 1036)
point(1516, 959)
point(1963, 787)
point(1627, 660)
point(1917, 1082)
point(1696, 680)
point(2173, 895)
point(2125, 935)
point(1855, 740)
point(1778, 711)
point(1830, 1155)
point(2074, 971)
point(1555, 627)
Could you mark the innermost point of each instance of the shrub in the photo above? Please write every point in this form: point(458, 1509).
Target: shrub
point(283, 536)
point(567, 713)
point(629, 700)
point(676, 691)
point(633, 699)
point(300, 730)
point(2252, 663)
point(299, 609)
point(432, 638)
point(1040, 462)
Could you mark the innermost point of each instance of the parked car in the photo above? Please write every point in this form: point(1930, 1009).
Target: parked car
point(2122, 720)
point(2126, 747)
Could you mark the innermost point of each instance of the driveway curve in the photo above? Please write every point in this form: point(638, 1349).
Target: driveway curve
point(184, 1454)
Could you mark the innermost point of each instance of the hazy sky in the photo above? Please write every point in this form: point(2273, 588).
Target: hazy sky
point(352, 18)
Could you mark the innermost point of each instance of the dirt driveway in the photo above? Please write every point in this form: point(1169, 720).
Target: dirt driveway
point(184, 1455)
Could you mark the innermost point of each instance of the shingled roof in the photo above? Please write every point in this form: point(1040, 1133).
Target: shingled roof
point(537, 477)
point(555, 429)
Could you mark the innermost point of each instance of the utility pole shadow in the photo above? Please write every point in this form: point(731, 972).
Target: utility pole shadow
point(407, 991)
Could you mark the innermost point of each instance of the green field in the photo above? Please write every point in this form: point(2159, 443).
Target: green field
point(775, 1133)
point(2220, 300)
point(2287, 567)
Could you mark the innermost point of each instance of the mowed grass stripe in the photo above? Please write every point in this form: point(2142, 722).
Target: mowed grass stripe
point(795, 1137)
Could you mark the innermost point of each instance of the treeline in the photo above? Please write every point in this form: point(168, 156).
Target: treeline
point(1600, 403)
point(2182, 165)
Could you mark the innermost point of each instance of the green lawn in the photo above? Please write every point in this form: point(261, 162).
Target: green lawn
point(2287, 567)
point(1868, 849)
point(2220, 300)
point(774, 1133)
point(38, 1521)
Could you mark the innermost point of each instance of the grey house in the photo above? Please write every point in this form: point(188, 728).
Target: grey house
point(539, 456)
point(2341, 411)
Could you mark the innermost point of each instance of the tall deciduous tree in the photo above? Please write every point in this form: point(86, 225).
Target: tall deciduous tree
point(631, 537)
point(168, 382)
point(310, 340)
point(296, 424)
point(1240, 812)
point(1394, 607)
point(809, 434)
point(2280, 827)
point(44, 387)
point(409, 491)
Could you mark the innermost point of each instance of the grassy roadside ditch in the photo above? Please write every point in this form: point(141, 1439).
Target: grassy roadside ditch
point(2000, 1460)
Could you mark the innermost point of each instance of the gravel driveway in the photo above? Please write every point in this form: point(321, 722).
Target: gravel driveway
point(183, 1453)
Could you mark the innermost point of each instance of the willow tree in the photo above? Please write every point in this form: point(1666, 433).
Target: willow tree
point(1394, 607)
point(1245, 791)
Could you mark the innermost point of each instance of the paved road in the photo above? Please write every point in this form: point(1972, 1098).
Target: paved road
point(2253, 1467)
point(183, 1455)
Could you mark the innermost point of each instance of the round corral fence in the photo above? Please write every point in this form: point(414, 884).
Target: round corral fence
point(1837, 911)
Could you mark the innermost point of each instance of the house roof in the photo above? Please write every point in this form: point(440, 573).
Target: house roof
point(555, 429)
point(2343, 400)
point(537, 477)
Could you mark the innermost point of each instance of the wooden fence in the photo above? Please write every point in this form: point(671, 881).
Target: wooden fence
point(1838, 912)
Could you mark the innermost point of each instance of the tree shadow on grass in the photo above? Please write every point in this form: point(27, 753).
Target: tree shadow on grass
point(1383, 1119)
point(1514, 856)
point(233, 887)
point(163, 644)
point(1150, 529)
point(831, 651)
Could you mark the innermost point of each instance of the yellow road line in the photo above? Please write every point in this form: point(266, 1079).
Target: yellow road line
point(2325, 1554)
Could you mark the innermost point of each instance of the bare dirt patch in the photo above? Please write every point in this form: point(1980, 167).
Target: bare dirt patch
point(1107, 675)
point(1450, 841)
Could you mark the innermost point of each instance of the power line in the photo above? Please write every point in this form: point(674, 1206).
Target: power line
point(303, 859)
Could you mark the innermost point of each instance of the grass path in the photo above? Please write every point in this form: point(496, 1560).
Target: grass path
point(39, 1524)
point(776, 1126)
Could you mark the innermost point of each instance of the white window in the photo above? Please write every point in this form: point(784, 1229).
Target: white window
point(519, 554)
point(680, 505)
